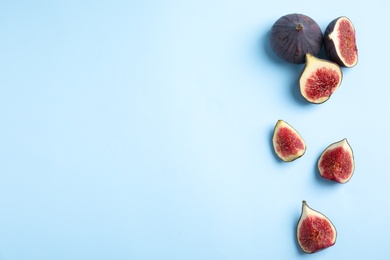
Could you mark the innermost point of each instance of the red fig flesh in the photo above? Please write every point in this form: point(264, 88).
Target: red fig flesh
point(314, 230)
point(319, 79)
point(287, 142)
point(340, 42)
point(336, 163)
point(294, 35)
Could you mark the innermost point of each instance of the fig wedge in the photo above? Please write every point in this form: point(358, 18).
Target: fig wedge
point(319, 79)
point(287, 142)
point(314, 230)
point(336, 162)
point(340, 42)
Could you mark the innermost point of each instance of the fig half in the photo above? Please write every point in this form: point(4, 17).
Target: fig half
point(319, 79)
point(294, 35)
point(336, 162)
point(340, 42)
point(287, 142)
point(314, 230)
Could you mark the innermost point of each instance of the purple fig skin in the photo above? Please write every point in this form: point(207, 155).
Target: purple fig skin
point(330, 46)
point(294, 35)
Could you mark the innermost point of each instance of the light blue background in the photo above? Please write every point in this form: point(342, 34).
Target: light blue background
point(142, 130)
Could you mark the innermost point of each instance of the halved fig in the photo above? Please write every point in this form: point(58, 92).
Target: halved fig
point(287, 142)
point(336, 162)
point(294, 35)
point(314, 230)
point(340, 42)
point(319, 79)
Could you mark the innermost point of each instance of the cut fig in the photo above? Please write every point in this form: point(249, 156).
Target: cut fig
point(314, 230)
point(340, 42)
point(336, 162)
point(319, 79)
point(287, 142)
point(294, 35)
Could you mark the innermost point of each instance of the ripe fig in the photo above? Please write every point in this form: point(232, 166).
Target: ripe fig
point(319, 79)
point(336, 162)
point(314, 231)
point(340, 42)
point(294, 35)
point(287, 142)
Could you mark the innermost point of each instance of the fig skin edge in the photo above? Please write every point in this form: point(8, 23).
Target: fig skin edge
point(304, 213)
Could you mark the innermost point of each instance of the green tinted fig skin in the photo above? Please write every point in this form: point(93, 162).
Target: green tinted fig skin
point(329, 46)
point(292, 44)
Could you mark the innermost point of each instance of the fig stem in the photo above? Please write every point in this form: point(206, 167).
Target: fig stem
point(299, 27)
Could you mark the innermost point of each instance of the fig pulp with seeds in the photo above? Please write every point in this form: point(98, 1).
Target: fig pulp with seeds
point(336, 163)
point(294, 35)
point(319, 79)
point(340, 42)
point(287, 142)
point(314, 230)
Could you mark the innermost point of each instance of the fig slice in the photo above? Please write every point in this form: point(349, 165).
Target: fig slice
point(314, 230)
point(287, 142)
point(336, 162)
point(319, 79)
point(340, 42)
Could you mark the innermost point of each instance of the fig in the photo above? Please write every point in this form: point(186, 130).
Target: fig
point(287, 142)
point(294, 35)
point(319, 79)
point(340, 42)
point(314, 230)
point(336, 162)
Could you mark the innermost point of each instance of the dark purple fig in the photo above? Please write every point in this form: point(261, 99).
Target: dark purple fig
point(314, 230)
point(336, 163)
point(319, 79)
point(294, 35)
point(287, 142)
point(340, 42)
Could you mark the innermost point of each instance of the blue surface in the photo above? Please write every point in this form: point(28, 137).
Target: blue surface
point(142, 130)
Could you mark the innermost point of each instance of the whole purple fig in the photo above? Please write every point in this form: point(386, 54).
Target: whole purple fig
point(294, 35)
